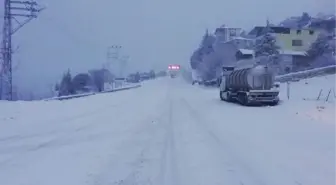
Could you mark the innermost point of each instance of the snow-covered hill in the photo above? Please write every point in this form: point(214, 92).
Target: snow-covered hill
point(169, 132)
point(320, 21)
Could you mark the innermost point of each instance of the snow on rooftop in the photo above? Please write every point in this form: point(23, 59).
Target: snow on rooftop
point(242, 38)
point(284, 52)
point(246, 51)
point(291, 52)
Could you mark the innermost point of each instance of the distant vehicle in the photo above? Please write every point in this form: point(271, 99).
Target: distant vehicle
point(213, 82)
point(173, 70)
point(133, 78)
point(144, 76)
point(251, 85)
point(120, 79)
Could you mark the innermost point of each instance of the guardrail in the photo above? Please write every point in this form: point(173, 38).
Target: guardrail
point(122, 88)
point(306, 74)
point(92, 93)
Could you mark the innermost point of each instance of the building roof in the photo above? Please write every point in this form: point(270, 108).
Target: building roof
point(290, 52)
point(258, 30)
point(246, 51)
point(242, 38)
point(238, 38)
point(223, 28)
point(282, 52)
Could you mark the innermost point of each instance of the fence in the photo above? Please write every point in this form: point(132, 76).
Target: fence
point(306, 74)
point(331, 95)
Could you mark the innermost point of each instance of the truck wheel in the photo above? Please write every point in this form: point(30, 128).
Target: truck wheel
point(273, 103)
point(243, 99)
point(221, 95)
point(225, 96)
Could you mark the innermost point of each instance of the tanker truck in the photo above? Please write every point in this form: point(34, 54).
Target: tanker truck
point(251, 85)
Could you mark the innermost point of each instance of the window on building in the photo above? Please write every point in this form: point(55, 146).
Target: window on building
point(233, 33)
point(297, 43)
point(287, 69)
point(311, 32)
point(298, 31)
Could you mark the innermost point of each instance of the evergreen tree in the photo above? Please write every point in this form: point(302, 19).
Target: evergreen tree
point(152, 74)
point(320, 46)
point(137, 77)
point(266, 46)
point(98, 81)
point(57, 87)
point(304, 20)
point(81, 81)
point(66, 85)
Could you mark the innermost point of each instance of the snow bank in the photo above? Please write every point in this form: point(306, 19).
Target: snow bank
point(311, 98)
point(321, 113)
point(292, 143)
point(307, 73)
point(125, 87)
point(75, 142)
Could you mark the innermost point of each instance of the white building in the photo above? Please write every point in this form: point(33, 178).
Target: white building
point(225, 34)
point(242, 43)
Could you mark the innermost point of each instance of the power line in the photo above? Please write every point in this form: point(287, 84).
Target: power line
point(22, 12)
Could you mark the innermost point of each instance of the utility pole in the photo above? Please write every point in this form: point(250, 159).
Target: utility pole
point(112, 53)
point(13, 9)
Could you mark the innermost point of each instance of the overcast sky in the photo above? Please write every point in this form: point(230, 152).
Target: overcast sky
point(75, 33)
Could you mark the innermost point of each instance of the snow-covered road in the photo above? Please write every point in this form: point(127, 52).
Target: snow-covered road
point(165, 133)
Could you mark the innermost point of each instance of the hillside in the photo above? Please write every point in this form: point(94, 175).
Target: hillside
point(320, 21)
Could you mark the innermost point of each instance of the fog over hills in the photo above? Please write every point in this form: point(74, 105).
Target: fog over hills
point(75, 33)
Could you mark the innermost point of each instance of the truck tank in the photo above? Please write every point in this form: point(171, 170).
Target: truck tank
point(254, 78)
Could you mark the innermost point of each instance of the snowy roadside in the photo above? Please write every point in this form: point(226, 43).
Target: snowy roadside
point(126, 87)
point(167, 132)
point(274, 143)
point(312, 99)
point(83, 141)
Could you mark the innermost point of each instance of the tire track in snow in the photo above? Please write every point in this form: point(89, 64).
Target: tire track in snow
point(71, 118)
point(240, 172)
point(47, 137)
point(247, 174)
point(164, 160)
point(57, 137)
point(169, 172)
point(145, 164)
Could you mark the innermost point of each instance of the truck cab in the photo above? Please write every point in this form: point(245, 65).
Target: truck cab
point(226, 71)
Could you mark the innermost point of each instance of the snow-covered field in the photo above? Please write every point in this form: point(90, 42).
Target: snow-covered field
point(171, 133)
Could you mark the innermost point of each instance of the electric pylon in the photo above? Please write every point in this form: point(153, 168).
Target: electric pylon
point(112, 54)
point(21, 12)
